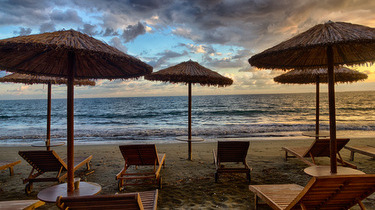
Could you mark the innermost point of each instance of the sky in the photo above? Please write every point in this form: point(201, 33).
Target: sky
point(219, 34)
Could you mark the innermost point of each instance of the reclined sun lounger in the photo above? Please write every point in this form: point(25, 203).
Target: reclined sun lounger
point(364, 150)
point(140, 155)
point(20, 204)
point(139, 200)
point(328, 192)
point(8, 164)
point(48, 161)
point(231, 151)
point(319, 148)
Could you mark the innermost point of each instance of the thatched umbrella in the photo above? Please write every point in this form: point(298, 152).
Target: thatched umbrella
point(190, 72)
point(72, 55)
point(324, 45)
point(317, 76)
point(32, 79)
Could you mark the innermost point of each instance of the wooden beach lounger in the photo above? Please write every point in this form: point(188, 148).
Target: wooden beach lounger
point(48, 161)
point(140, 200)
point(364, 150)
point(140, 155)
point(21, 204)
point(329, 192)
point(319, 148)
point(8, 164)
point(231, 151)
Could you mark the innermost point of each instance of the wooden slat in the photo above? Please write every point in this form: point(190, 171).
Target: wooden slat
point(330, 192)
point(140, 200)
point(20, 204)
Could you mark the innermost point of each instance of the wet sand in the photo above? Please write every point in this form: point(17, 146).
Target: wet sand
point(187, 184)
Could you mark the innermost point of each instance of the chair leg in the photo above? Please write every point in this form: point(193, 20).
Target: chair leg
point(286, 155)
point(216, 177)
point(256, 200)
point(248, 177)
point(11, 171)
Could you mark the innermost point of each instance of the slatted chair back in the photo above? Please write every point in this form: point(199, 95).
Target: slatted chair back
point(144, 154)
point(232, 151)
point(120, 201)
point(43, 160)
point(335, 192)
point(321, 148)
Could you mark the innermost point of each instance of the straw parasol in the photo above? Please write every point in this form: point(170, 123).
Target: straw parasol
point(72, 55)
point(190, 72)
point(324, 45)
point(317, 76)
point(32, 79)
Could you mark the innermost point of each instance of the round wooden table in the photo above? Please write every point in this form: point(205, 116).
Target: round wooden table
point(326, 171)
point(193, 138)
point(313, 134)
point(85, 188)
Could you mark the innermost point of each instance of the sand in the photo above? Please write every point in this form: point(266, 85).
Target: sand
point(187, 184)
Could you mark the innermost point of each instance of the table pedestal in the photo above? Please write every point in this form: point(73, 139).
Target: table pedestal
point(85, 188)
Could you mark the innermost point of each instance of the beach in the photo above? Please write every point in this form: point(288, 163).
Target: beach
point(186, 184)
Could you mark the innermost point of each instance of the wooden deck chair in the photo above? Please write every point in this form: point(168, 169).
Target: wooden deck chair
point(21, 204)
point(8, 164)
point(328, 192)
point(48, 161)
point(364, 150)
point(319, 148)
point(140, 155)
point(231, 151)
point(140, 200)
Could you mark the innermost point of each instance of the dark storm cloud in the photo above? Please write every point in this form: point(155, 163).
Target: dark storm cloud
point(132, 31)
point(253, 24)
point(23, 31)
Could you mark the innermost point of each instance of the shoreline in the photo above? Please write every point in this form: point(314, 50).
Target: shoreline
point(186, 184)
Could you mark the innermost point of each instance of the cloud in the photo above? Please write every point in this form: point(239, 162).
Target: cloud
point(164, 57)
point(23, 31)
point(47, 27)
point(116, 42)
point(132, 31)
point(110, 32)
point(89, 29)
point(67, 16)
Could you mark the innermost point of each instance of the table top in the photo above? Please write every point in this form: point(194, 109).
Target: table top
point(326, 171)
point(313, 134)
point(85, 188)
point(51, 144)
point(193, 138)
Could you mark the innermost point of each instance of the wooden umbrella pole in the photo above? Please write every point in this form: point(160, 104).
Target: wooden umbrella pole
point(70, 122)
point(317, 108)
point(189, 122)
point(48, 140)
point(332, 110)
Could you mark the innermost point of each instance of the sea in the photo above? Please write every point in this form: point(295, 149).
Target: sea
point(162, 119)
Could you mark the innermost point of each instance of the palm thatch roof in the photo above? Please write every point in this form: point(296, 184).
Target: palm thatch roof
point(33, 79)
point(47, 54)
point(190, 72)
point(351, 44)
point(342, 75)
